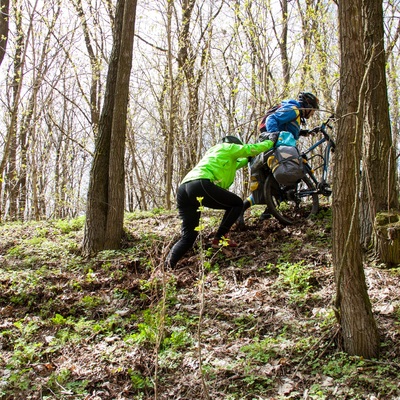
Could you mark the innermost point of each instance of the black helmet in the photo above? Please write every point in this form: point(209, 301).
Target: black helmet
point(231, 139)
point(309, 100)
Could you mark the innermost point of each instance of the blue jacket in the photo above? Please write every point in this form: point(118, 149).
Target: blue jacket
point(286, 118)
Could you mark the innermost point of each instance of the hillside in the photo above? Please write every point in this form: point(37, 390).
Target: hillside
point(249, 323)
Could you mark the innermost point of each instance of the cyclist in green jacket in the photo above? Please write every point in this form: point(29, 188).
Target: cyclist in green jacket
point(209, 180)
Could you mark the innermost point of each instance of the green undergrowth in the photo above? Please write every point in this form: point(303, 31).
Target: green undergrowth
point(253, 323)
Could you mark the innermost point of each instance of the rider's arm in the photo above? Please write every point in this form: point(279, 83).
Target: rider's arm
point(241, 162)
point(279, 120)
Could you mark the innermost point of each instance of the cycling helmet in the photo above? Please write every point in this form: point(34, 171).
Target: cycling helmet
point(309, 100)
point(231, 139)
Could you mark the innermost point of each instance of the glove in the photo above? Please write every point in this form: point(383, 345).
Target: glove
point(304, 132)
point(273, 136)
point(263, 137)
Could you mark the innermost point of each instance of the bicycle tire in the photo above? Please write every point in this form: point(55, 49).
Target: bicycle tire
point(290, 205)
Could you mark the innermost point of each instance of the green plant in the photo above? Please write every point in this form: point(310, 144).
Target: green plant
point(90, 276)
point(25, 353)
point(90, 302)
point(16, 380)
point(16, 251)
point(261, 350)
point(70, 225)
point(147, 331)
point(297, 278)
point(139, 382)
point(243, 324)
point(64, 381)
point(179, 338)
point(59, 320)
point(287, 249)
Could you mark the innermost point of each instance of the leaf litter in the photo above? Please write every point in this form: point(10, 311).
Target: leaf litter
point(249, 323)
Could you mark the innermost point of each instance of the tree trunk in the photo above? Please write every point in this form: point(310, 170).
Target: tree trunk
point(379, 166)
point(9, 164)
point(174, 96)
point(360, 336)
point(283, 47)
point(387, 234)
point(116, 189)
point(94, 64)
point(104, 224)
point(4, 19)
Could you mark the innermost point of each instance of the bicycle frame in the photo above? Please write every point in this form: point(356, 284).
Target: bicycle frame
point(322, 187)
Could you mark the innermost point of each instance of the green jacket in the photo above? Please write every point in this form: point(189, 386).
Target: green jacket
point(221, 162)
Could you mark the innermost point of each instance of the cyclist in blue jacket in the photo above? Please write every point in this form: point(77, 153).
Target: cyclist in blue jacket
point(288, 117)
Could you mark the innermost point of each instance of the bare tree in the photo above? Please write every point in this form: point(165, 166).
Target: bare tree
point(8, 163)
point(95, 65)
point(282, 40)
point(188, 52)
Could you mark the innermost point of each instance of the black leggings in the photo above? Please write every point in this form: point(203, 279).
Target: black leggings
point(188, 206)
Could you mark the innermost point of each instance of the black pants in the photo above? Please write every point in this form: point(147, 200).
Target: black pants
point(188, 206)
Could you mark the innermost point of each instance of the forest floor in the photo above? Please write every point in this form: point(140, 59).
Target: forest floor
point(255, 322)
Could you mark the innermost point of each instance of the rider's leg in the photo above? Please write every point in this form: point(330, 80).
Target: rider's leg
point(246, 204)
point(249, 202)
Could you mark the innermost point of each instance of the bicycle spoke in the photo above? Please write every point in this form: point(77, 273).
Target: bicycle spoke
point(289, 205)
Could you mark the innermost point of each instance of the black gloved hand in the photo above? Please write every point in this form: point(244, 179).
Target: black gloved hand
point(273, 136)
point(304, 132)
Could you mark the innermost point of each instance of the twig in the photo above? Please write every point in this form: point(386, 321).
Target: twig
point(314, 346)
point(201, 310)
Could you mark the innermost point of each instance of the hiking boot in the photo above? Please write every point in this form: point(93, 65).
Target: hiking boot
point(240, 222)
point(265, 215)
point(223, 242)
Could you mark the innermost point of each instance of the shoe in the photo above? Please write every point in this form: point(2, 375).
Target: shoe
point(240, 222)
point(265, 215)
point(223, 242)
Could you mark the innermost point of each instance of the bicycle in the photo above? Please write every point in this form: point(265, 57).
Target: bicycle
point(289, 204)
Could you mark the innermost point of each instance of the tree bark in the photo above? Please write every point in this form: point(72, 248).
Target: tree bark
point(104, 224)
point(9, 161)
point(359, 331)
point(4, 19)
point(170, 128)
point(387, 228)
point(94, 64)
point(116, 189)
point(379, 189)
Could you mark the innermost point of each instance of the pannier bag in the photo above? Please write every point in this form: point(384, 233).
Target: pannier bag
point(257, 182)
point(260, 161)
point(287, 165)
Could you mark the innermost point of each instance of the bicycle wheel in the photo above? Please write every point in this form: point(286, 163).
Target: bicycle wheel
point(291, 204)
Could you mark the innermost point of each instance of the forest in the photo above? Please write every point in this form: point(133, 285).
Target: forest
point(218, 70)
point(105, 106)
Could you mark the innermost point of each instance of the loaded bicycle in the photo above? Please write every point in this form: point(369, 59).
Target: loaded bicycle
point(289, 204)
